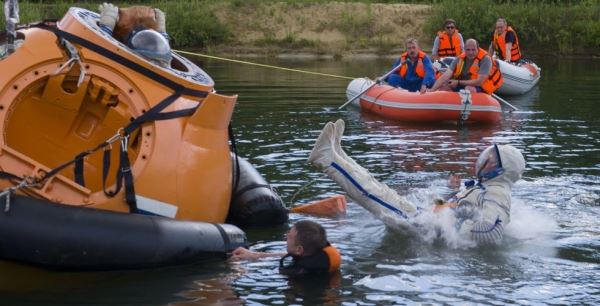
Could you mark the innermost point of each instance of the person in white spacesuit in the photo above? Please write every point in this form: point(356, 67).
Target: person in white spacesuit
point(481, 211)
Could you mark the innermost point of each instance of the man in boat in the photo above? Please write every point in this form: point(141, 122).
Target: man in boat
point(449, 42)
point(473, 70)
point(307, 247)
point(480, 213)
point(416, 72)
point(141, 28)
point(505, 42)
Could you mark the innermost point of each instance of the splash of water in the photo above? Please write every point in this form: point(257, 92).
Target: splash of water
point(527, 224)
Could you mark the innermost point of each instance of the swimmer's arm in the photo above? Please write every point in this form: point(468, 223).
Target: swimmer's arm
point(245, 254)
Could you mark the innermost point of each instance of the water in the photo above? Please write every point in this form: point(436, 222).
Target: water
point(551, 254)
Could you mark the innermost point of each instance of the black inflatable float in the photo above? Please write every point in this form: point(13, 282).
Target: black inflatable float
point(74, 238)
point(254, 203)
point(64, 237)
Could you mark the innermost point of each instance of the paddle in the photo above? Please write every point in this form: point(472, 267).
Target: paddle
point(493, 94)
point(365, 90)
point(504, 101)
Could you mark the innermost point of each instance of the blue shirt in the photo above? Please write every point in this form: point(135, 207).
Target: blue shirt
point(411, 81)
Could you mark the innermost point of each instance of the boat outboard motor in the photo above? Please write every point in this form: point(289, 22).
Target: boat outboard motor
point(254, 202)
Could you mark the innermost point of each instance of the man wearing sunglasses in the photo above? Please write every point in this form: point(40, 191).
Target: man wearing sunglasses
point(448, 42)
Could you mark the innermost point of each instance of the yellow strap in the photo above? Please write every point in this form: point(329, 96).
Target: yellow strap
point(263, 65)
point(461, 64)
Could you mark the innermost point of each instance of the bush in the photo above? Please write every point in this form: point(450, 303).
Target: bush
point(564, 27)
point(190, 23)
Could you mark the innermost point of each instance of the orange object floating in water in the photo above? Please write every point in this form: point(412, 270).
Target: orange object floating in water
point(333, 207)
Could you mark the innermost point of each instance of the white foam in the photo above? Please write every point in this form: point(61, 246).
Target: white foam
point(526, 224)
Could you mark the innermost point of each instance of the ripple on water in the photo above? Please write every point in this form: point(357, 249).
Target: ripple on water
point(551, 252)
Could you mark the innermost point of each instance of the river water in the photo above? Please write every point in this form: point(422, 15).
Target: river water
point(551, 254)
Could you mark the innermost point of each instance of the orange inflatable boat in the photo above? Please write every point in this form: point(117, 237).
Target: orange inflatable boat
point(401, 105)
point(136, 154)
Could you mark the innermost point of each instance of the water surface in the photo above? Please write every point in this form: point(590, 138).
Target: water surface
point(551, 254)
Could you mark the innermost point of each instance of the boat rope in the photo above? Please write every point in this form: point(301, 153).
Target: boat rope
point(465, 99)
point(29, 181)
point(264, 65)
point(26, 182)
point(302, 188)
point(73, 59)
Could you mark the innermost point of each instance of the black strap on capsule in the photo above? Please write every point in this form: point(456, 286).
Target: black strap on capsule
point(123, 175)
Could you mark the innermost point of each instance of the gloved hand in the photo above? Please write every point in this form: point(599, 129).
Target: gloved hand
point(160, 20)
point(378, 81)
point(109, 14)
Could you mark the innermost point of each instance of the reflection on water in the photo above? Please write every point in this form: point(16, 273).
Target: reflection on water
point(552, 240)
point(551, 254)
point(207, 284)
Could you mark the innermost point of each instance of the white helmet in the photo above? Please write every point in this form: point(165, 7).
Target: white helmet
point(152, 46)
point(497, 160)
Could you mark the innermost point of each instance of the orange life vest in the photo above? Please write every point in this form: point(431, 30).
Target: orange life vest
point(335, 258)
point(420, 69)
point(448, 45)
point(494, 79)
point(326, 260)
point(500, 46)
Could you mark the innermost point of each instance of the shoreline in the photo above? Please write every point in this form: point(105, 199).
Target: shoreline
point(336, 30)
point(355, 29)
point(279, 53)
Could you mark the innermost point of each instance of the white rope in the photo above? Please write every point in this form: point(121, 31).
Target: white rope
point(73, 59)
point(10, 190)
point(465, 97)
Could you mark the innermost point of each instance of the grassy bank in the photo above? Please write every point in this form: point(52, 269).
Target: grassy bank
point(253, 26)
point(341, 28)
point(544, 27)
point(189, 23)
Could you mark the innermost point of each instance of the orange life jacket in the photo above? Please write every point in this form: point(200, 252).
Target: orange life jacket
point(448, 46)
point(326, 260)
point(494, 79)
point(420, 69)
point(335, 258)
point(500, 46)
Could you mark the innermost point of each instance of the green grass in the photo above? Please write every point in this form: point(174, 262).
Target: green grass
point(195, 24)
point(356, 25)
point(544, 26)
